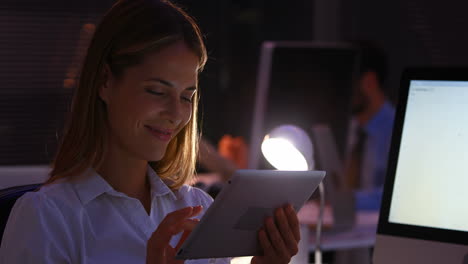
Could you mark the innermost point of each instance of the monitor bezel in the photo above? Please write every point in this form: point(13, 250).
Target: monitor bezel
point(411, 231)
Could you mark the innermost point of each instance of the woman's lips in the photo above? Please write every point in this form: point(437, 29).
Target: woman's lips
point(160, 133)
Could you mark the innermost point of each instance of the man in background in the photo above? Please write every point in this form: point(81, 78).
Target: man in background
point(372, 123)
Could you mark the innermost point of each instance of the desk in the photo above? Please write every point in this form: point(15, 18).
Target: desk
point(361, 235)
point(352, 245)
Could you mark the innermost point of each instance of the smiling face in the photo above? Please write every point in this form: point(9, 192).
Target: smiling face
point(151, 102)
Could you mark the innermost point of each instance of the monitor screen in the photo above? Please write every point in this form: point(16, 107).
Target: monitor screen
point(423, 217)
point(430, 179)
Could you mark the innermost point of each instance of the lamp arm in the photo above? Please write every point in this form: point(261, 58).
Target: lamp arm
point(318, 233)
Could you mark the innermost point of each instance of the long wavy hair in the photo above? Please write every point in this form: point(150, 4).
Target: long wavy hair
point(128, 32)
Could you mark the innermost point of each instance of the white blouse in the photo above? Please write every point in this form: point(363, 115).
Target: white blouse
point(85, 220)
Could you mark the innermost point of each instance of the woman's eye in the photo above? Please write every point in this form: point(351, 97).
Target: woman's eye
point(187, 99)
point(154, 92)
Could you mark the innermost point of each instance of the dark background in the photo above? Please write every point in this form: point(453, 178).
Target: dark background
point(39, 41)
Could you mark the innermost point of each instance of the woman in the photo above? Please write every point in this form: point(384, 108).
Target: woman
point(116, 192)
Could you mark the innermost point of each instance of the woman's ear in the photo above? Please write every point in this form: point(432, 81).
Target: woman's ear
point(106, 84)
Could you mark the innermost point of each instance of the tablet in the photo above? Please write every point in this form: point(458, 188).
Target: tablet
point(230, 226)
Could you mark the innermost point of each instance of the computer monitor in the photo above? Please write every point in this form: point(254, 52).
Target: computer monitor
point(303, 84)
point(424, 217)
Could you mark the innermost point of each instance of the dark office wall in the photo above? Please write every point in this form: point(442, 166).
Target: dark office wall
point(40, 46)
point(413, 32)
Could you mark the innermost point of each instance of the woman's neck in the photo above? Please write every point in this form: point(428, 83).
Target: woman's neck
point(124, 173)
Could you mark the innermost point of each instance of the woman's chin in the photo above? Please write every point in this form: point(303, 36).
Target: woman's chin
point(155, 156)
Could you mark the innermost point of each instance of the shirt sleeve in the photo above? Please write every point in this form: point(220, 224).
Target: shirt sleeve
point(35, 232)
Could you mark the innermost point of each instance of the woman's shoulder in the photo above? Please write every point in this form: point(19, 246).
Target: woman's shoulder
point(53, 205)
point(50, 197)
point(38, 216)
point(32, 204)
point(194, 194)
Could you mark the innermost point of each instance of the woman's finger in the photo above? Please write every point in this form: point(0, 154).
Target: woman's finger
point(265, 244)
point(276, 240)
point(170, 252)
point(293, 221)
point(183, 213)
point(190, 225)
point(172, 224)
point(175, 221)
point(182, 240)
point(196, 210)
point(285, 231)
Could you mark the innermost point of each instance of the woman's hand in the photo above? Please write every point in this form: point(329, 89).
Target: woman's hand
point(158, 249)
point(279, 237)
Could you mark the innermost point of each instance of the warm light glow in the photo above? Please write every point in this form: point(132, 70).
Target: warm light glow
point(241, 260)
point(283, 155)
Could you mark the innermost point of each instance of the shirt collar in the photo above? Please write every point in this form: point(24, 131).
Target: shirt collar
point(158, 186)
point(90, 185)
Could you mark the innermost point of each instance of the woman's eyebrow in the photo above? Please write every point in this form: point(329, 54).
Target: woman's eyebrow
point(164, 82)
point(167, 83)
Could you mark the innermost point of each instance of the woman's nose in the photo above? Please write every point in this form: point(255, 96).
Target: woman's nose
point(173, 112)
point(175, 122)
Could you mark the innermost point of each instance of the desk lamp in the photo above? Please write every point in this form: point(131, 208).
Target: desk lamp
point(288, 147)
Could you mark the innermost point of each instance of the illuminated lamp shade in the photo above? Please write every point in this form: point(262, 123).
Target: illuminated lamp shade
point(288, 147)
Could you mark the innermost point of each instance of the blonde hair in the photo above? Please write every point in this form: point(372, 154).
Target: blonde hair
point(142, 26)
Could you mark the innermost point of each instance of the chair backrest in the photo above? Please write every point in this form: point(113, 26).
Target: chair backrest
point(8, 198)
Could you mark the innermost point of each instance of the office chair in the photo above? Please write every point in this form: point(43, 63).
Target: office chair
point(8, 198)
